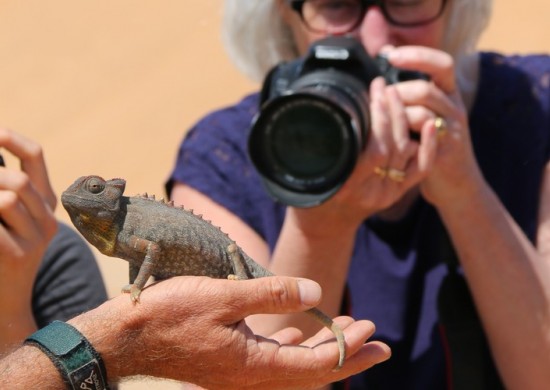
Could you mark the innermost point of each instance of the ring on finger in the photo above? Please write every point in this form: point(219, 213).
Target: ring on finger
point(440, 125)
point(382, 172)
point(396, 175)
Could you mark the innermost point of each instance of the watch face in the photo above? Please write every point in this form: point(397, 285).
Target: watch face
point(88, 376)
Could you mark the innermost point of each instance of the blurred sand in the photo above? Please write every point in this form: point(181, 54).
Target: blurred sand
point(109, 87)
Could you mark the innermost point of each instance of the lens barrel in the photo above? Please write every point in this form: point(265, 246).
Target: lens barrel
point(306, 142)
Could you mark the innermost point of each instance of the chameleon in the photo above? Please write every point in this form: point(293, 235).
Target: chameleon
point(161, 240)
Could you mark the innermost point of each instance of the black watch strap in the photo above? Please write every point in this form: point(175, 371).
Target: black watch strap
point(78, 362)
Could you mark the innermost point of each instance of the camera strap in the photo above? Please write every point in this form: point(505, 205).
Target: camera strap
point(469, 361)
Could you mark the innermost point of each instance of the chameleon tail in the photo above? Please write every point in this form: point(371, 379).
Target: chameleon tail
point(328, 323)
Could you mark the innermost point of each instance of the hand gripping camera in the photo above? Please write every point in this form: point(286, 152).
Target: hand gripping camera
point(314, 119)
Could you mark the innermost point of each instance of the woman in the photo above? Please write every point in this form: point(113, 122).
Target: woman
point(479, 172)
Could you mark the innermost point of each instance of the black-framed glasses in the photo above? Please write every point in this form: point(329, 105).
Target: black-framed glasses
point(342, 16)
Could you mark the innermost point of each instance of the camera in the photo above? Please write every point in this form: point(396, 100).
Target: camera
point(314, 119)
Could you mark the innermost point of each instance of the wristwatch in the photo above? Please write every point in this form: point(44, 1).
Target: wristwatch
point(72, 354)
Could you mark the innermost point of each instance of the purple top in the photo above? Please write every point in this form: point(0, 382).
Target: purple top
point(396, 272)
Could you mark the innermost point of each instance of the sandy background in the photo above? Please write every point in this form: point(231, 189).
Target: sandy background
point(109, 87)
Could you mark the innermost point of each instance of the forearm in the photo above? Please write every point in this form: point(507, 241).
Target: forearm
point(14, 328)
point(29, 368)
point(17, 320)
point(510, 283)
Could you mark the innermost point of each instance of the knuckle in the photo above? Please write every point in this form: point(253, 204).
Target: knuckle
point(403, 145)
point(462, 118)
point(8, 200)
point(278, 292)
point(5, 135)
point(379, 156)
point(447, 63)
point(16, 252)
point(34, 150)
point(21, 182)
point(429, 90)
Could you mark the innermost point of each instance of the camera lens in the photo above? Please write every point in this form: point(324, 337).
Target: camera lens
point(305, 142)
point(308, 141)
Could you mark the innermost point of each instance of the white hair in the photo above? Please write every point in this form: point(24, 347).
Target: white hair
point(256, 38)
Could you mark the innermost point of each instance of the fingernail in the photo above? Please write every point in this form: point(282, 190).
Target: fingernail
point(310, 292)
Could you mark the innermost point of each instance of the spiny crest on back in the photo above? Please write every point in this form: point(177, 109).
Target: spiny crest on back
point(171, 203)
point(145, 196)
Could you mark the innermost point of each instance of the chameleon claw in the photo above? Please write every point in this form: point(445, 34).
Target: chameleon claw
point(135, 293)
point(133, 290)
point(232, 277)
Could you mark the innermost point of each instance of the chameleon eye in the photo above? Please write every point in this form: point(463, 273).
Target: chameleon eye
point(95, 186)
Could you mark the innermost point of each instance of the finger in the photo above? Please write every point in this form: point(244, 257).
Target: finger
point(405, 148)
point(367, 356)
point(290, 336)
point(356, 333)
point(309, 376)
point(32, 162)
point(22, 186)
point(398, 117)
point(326, 334)
point(428, 147)
point(422, 93)
point(273, 295)
point(380, 139)
point(436, 63)
point(299, 362)
point(15, 216)
point(417, 116)
point(8, 242)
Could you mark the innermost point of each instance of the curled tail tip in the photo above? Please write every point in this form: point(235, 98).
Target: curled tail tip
point(341, 341)
point(336, 330)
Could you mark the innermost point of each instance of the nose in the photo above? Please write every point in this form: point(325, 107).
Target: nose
point(374, 31)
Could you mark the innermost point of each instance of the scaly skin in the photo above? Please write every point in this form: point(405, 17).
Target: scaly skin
point(160, 240)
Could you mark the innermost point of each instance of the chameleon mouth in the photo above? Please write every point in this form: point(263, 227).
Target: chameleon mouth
point(67, 200)
point(71, 202)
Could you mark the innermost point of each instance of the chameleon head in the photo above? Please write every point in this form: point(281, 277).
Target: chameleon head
point(91, 199)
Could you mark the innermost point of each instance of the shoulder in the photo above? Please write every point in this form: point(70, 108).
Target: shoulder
point(510, 127)
point(512, 71)
point(221, 135)
point(512, 81)
point(227, 121)
point(528, 63)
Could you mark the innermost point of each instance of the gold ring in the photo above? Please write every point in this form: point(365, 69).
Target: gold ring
point(440, 125)
point(382, 172)
point(396, 175)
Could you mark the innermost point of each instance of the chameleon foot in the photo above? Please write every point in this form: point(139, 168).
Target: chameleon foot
point(133, 290)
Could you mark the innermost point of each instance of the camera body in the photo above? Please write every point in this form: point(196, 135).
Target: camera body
point(314, 119)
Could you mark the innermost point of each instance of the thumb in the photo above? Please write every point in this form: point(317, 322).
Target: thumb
point(277, 295)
